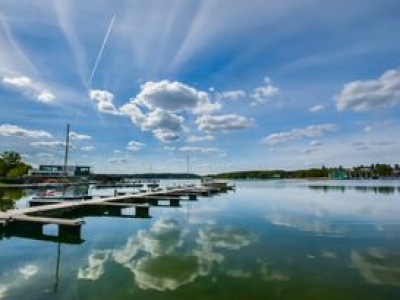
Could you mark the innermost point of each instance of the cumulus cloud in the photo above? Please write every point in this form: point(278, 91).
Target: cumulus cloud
point(13, 130)
point(134, 146)
point(316, 109)
point(174, 96)
point(30, 88)
point(104, 101)
point(223, 123)
point(133, 111)
point(264, 93)
point(366, 95)
point(300, 133)
point(165, 125)
point(199, 138)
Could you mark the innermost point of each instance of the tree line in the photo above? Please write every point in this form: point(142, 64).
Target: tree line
point(12, 166)
point(374, 170)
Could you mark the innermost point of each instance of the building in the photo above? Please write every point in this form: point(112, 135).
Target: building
point(339, 175)
point(57, 171)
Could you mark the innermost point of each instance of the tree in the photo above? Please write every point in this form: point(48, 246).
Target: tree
point(11, 165)
point(3, 168)
point(18, 170)
point(11, 158)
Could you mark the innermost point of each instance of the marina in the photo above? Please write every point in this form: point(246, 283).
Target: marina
point(42, 210)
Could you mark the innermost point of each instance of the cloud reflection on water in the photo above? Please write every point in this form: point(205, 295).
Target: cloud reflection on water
point(17, 278)
point(378, 266)
point(158, 259)
point(306, 224)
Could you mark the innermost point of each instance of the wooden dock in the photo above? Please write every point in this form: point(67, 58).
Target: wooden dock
point(39, 214)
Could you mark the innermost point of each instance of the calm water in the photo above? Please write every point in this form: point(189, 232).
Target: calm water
point(267, 240)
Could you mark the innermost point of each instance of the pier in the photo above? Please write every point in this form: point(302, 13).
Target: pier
point(27, 221)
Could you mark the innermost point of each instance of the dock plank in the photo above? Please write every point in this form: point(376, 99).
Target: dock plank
point(46, 220)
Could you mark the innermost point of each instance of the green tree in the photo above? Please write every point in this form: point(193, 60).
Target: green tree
point(18, 170)
point(11, 159)
point(3, 168)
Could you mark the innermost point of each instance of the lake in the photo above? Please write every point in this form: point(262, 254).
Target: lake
point(283, 239)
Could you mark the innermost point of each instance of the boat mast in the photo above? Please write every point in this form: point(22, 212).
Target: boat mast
point(66, 151)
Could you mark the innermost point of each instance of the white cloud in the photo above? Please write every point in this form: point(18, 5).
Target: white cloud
point(299, 133)
point(264, 93)
point(104, 101)
point(117, 160)
point(43, 155)
point(134, 146)
point(46, 97)
point(174, 96)
point(17, 81)
point(315, 143)
point(223, 123)
point(132, 110)
point(13, 130)
point(317, 108)
point(88, 148)
point(77, 136)
point(207, 107)
point(199, 138)
point(166, 135)
point(367, 95)
point(201, 150)
point(169, 148)
point(50, 144)
point(30, 88)
point(166, 126)
point(233, 95)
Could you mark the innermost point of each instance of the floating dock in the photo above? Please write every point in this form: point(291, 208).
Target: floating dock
point(46, 211)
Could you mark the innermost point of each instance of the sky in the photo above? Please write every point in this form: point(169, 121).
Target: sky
point(201, 86)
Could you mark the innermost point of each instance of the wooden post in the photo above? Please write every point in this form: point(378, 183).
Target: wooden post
point(142, 211)
point(174, 202)
point(69, 231)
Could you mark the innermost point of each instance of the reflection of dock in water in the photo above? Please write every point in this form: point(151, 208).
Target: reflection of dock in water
point(67, 215)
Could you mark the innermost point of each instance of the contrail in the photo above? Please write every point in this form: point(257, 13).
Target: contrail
point(101, 49)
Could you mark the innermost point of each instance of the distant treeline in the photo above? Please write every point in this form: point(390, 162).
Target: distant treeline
point(374, 170)
point(273, 174)
point(105, 177)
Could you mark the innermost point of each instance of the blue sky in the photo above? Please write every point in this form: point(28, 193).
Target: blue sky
point(233, 85)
